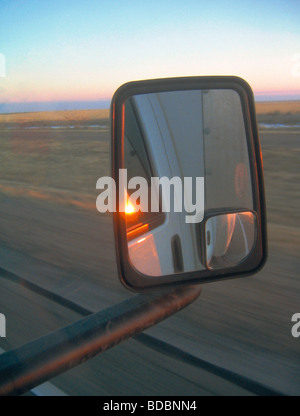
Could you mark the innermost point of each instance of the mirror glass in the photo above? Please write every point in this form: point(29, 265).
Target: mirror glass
point(186, 154)
point(230, 239)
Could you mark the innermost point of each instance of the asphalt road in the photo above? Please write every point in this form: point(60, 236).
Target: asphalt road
point(241, 325)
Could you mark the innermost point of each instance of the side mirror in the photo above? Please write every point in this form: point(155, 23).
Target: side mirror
point(189, 182)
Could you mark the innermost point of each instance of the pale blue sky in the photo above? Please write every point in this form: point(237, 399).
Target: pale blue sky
point(83, 50)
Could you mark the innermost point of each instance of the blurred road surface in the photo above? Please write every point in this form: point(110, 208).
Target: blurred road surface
point(241, 325)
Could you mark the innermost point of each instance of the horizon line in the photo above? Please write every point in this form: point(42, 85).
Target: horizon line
point(104, 104)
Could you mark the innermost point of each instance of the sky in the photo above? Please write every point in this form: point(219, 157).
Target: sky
point(71, 50)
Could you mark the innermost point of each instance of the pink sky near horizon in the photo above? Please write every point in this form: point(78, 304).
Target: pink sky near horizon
point(97, 96)
point(27, 92)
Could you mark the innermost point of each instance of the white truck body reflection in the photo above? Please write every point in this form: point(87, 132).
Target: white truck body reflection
point(177, 135)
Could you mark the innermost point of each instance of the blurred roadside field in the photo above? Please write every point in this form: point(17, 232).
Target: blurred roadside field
point(48, 222)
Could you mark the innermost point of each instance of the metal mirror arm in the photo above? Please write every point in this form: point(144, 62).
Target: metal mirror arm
point(36, 362)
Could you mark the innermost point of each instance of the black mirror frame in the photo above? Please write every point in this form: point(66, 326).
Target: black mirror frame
point(129, 276)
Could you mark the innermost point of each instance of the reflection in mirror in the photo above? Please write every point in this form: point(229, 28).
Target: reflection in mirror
point(230, 239)
point(178, 135)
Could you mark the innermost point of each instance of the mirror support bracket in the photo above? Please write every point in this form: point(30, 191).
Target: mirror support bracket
point(36, 362)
